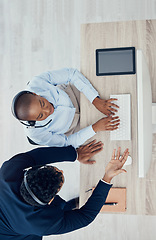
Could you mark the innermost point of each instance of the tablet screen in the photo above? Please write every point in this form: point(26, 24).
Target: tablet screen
point(115, 61)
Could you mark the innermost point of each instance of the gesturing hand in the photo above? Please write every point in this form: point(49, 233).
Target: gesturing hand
point(115, 165)
point(89, 150)
point(106, 106)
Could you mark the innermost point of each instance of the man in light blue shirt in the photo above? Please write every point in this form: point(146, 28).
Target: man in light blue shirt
point(53, 111)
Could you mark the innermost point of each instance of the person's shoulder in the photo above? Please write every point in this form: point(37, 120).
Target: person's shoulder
point(18, 161)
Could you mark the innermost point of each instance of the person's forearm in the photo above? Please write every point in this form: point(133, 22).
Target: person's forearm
point(88, 212)
point(79, 218)
point(46, 155)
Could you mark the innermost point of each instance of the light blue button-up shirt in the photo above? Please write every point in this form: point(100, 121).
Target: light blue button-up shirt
point(45, 85)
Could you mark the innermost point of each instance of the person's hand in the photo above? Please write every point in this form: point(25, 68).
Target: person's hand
point(89, 150)
point(106, 124)
point(115, 165)
point(106, 106)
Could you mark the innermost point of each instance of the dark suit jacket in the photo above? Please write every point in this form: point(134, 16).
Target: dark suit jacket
point(19, 220)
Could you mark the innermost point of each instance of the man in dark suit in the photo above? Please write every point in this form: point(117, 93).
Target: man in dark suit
point(29, 206)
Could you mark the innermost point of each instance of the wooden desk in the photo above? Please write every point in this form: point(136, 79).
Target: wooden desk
point(141, 193)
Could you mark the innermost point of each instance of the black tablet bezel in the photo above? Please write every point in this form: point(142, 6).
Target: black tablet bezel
point(115, 49)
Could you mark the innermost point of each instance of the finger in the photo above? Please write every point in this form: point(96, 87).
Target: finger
point(112, 125)
point(124, 156)
point(113, 109)
point(111, 128)
point(112, 99)
point(90, 162)
point(115, 118)
point(108, 105)
point(112, 113)
point(116, 121)
point(90, 143)
point(96, 146)
point(112, 119)
point(114, 105)
point(96, 151)
point(113, 154)
point(118, 153)
point(109, 119)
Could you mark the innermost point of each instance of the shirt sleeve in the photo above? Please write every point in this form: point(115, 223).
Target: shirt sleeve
point(47, 155)
point(53, 219)
point(106, 182)
point(76, 219)
point(73, 76)
point(51, 139)
point(38, 156)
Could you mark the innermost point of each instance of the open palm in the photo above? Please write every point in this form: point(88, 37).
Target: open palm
point(115, 165)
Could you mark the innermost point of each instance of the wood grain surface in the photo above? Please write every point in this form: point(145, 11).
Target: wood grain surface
point(141, 35)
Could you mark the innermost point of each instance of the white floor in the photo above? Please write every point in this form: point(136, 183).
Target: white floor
point(40, 35)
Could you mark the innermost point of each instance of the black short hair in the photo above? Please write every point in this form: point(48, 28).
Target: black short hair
point(44, 183)
point(22, 105)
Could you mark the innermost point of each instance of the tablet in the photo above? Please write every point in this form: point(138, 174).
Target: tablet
point(115, 61)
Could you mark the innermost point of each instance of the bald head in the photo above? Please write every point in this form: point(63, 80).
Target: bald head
point(32, 107)
point(22, 106)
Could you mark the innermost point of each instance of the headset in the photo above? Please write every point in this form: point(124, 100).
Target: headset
point(27, 186)
point(31, 124)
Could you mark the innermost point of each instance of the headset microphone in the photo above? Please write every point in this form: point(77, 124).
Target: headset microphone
point(32, 124)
